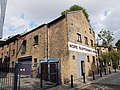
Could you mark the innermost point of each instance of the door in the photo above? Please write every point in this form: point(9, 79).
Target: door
point(25, 69)
point(82, 67)
point(25, 66)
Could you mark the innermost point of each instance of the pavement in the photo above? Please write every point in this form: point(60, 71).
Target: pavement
point(112, 80)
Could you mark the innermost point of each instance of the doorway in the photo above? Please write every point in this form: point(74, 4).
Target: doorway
point(82, 67)
point(25, 66)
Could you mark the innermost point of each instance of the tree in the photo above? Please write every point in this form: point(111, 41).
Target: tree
point(115, 57)
point(106, 37)
point(104, 57)
point(118, 45)
point(76, 8)
point(111, 56)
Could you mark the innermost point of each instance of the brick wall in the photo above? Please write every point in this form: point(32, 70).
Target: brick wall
point(77, 23)
point(58, 40)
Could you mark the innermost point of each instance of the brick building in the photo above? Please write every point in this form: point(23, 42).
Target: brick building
point(102, 50)
point(68, 39)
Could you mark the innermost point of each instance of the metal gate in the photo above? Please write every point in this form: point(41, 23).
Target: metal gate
point(7, 76)
point(49, 73)
point(27, 78)
point(33, 76)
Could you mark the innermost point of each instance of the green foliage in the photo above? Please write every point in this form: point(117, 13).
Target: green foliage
point(76, 8)
point(111, 56)
point(118, 45)
point(65, 11)
point(106, 37)
point(104, 56)
point(115, 57)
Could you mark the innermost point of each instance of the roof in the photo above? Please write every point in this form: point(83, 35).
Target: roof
point(48, 24)
point(105, 46)
point(11, 39)
point(1, 42)
point(34, 29)
point(56, 20)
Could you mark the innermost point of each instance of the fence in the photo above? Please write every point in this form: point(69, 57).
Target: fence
point(6, 77)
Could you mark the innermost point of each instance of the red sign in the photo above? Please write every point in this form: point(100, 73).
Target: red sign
point(22, 70)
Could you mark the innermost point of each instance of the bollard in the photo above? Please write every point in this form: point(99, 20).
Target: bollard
point(84, 78)
point(115, 69)
point(100, 73)
point(105, 71)
point(93, 75)
point(72, 81)
point(41, 76)
point(109, 71)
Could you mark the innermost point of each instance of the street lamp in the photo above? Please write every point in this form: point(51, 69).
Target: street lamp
point(98, 53)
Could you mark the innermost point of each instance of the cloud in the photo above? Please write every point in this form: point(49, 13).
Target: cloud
point(17, 25)
point(27, 14)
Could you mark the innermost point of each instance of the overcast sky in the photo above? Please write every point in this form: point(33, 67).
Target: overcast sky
point(22, 15)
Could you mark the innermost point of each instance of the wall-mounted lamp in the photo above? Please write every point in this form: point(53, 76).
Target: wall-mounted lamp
point(34, 46)
point(73, 57)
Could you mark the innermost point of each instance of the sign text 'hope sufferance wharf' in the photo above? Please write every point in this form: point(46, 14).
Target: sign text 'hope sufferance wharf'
point(80, 48)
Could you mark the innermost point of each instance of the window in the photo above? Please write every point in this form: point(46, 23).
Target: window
point(79, 39)
point(0, 61)
point(36, 40)
point(13, 52)
point(7, 54)
point(23, 47)
point(93, 34)
point(90, 30)
point(13, 63)
point(98, 52)
point(2, 55)
point(93, 58)
point(88, 59)
point(35, 62)
point(91, 42)
point(86, 40)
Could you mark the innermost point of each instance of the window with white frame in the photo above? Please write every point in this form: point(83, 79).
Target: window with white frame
point(79, 39)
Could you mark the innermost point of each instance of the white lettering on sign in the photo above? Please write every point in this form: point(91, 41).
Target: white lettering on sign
point(80, 48)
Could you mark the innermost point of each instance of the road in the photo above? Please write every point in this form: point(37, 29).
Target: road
point(108, 83)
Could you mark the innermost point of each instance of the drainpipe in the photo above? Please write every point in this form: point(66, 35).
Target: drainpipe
point(47, 42)
point(47, 55)
point(17, 49)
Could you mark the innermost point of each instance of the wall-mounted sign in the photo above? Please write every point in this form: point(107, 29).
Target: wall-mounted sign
point(80, 48)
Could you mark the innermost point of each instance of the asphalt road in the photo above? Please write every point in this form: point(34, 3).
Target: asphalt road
point(108, 83)
point(101, 87)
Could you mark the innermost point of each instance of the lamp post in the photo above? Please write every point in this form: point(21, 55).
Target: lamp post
point(98, 53)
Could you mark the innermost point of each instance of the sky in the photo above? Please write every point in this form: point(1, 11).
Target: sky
point(24, 15)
